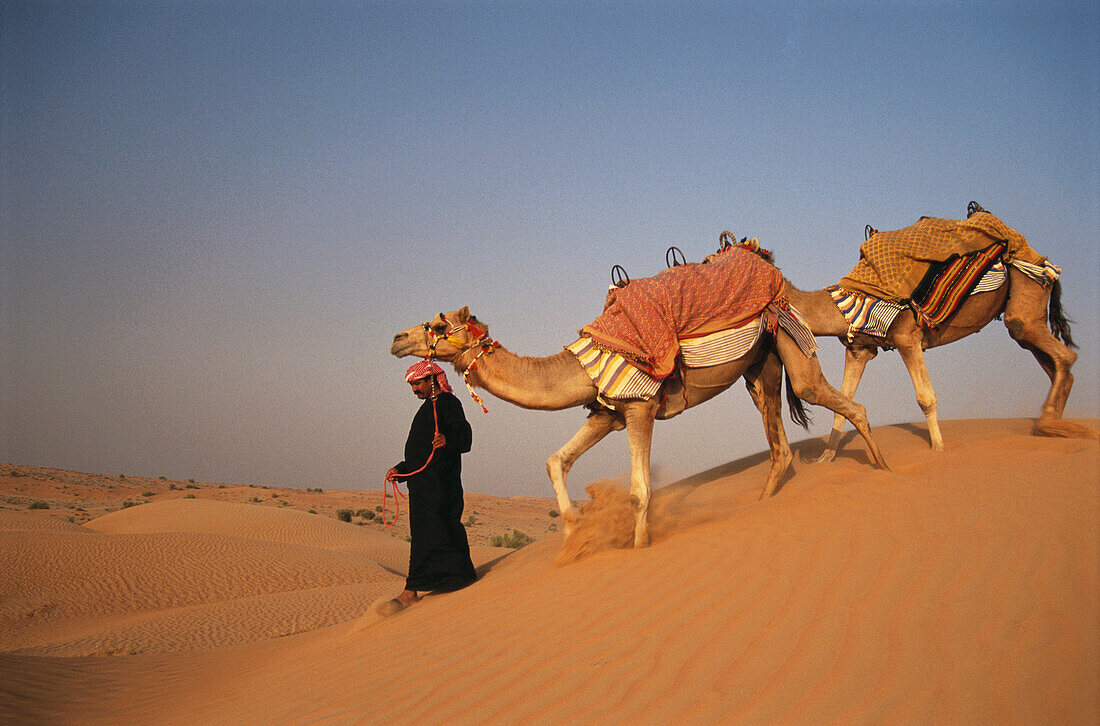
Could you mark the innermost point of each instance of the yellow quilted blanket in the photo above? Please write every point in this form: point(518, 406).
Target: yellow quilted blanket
point(892, 263)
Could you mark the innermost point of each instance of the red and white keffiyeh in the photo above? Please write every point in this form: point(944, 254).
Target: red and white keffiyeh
point(426, 368)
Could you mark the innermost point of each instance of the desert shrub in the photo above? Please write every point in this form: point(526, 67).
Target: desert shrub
point(313, 511)
point(147, 494)
point(378, 508)
point(38, 504)
point(162, 478)
point(190, 481)
point(255, 499)
point(188, 496)
point(127, 504)
point(122, 477)
point(471, 520)
point(515, 540)
point(554, 513)
point(344, 515)
point(192, 485)
point(172, 487)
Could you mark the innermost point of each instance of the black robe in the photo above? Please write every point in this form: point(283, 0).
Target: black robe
point(440, 554)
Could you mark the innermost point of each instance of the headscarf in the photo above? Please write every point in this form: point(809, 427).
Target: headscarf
point(426, 368)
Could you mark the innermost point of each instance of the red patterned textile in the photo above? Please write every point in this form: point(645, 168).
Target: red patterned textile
point(644, 320)
point(426, 368)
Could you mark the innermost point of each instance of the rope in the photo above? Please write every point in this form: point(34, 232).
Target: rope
point(392, 480)
point(486, 347)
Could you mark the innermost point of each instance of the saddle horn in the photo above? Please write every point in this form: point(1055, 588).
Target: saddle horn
point(673, 262)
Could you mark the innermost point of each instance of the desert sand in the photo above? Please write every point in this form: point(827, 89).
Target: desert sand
point(958, 587)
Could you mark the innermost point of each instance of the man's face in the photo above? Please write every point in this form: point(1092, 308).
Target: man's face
point(423, 388)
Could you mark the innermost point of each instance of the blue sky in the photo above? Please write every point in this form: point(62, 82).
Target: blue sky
point(216, 215)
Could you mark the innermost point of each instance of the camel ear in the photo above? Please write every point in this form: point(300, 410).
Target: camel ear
point(464, 314)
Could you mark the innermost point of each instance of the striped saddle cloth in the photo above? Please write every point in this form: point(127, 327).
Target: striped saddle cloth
point(617, 378)
point(940, 295)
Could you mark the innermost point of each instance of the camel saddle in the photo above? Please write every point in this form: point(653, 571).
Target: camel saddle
point(645, 320)
point(892, 264)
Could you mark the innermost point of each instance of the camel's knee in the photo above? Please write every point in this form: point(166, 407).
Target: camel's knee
point(557, 466)
point(927, 401)
point(1025, 329)
point(639, 501)
point(805, 390)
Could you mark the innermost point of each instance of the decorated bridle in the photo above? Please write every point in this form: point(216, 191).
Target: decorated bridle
point(476, 336)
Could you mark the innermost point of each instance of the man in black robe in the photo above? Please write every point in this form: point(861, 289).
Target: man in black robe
point(439, 559)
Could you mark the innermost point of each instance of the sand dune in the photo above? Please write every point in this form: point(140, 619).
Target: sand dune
point(960, 587)
point(291, 527)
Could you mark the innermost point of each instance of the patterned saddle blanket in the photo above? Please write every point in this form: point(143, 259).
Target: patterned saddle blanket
point(645, 320)
point(873, 316)
point(618, 379)
point(893, 263)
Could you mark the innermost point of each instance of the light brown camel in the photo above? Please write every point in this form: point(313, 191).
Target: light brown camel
point(1024, 305)
point(558, 381)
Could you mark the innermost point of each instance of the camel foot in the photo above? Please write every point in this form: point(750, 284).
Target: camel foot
point(1060, 428)
point(569, 521)
point(826, 456)
point(641, 540)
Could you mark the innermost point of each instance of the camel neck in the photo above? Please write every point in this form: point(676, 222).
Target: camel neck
point(547, 384)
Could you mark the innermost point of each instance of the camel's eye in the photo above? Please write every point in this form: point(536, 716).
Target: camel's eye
point(439, 328)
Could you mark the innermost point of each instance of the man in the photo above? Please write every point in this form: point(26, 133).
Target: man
point(440, 555)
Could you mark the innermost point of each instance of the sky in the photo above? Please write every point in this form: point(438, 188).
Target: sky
point(214, 216)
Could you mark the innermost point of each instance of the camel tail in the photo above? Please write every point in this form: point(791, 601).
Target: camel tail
point(798, 411)
point(1059, 323)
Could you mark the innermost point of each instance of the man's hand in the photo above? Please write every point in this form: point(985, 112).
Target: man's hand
point(439, 441)
point(392, 473)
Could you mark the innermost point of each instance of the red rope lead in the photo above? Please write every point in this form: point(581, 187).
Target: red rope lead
point(388, 481)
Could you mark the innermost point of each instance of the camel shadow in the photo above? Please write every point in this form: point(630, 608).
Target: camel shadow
point(810, 449)
point(682, 502)
point(693, 501)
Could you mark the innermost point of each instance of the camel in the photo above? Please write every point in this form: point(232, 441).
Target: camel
point(1025, 305)
point(559, 381)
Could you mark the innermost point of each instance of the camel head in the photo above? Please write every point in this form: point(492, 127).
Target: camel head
point(443, 337)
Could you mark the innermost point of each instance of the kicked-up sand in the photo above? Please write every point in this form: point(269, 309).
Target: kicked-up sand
point(959, 587)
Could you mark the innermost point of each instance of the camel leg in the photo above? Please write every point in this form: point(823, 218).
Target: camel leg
point(765, 383)
point(855, 361)
point(810, 385)
point(595, 428)
point(639, 428)
point(1025, 317)
point(912, 354)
